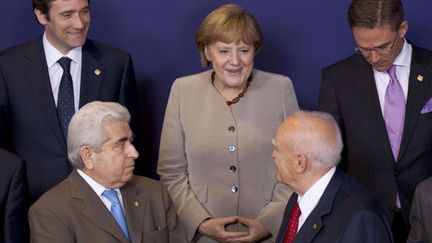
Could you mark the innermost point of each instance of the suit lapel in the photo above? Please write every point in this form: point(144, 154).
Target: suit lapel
point(135, 203)
point(314, 223)
point(92, 73)
point(417, 92)
point(36, 72)
point(368, 94)
point(91, 207)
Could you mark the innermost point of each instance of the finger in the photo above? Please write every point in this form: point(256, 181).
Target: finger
point(231, 235)
point(247, 238)
point(228, 220)
point(244, 220)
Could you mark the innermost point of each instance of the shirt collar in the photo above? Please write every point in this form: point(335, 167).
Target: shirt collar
point(98, 188)
point(53, 55)
point(311, 197)
point(404, 57)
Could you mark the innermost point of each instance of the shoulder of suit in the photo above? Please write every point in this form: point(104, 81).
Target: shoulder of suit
point(17, 50)
point(146, 183)
point(103, 48)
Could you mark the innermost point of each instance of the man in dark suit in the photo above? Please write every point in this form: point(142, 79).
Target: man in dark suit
point(33, 96)
point(13, 199)
point(381, 98)
point(327, 205)
point(420, 215)
point(101, 200)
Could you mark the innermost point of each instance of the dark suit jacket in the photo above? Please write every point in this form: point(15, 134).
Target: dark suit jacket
point(29, 125)
point(346, 212)
point(13, 199)
point(349, 93)
point(72, 212)
point(421, 212)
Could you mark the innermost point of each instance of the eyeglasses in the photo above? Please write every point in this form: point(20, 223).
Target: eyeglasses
point(378, 50)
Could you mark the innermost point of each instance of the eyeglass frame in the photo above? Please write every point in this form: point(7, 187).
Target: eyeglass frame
point(378, 50)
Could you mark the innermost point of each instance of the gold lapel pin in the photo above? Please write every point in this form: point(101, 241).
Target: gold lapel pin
point(420, 78)
point(97, 71)
point(136, 204)
point(314, 226)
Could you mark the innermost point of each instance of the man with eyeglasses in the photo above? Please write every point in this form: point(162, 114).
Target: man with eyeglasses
point(381, 98)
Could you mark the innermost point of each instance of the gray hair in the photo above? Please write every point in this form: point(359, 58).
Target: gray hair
point(87, 127)
point(318, 136)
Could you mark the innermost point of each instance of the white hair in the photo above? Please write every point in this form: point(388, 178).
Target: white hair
point(87, 127)
point(318, 137)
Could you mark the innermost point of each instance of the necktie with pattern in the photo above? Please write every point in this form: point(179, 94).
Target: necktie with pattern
point(291, 231)
point(65, 100)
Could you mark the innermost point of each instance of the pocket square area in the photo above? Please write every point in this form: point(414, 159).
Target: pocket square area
point(427, 107)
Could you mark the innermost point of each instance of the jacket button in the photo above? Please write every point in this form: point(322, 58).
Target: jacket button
point(396, 173)
point(232, 168)
point(231, 128)
point(231, 148)
point(234, 188)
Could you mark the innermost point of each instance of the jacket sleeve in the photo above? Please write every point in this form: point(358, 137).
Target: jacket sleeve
point(418, 232)
point(173, 165)
point(15, 222)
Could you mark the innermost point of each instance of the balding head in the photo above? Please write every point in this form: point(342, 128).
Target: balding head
point(306, 143)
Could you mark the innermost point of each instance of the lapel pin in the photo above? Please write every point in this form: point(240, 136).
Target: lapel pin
point(97, 71)
point(420, 78)
point(136, 204)
point(314, 226)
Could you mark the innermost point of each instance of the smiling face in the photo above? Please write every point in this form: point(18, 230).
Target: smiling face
point(232, 62)
point(113, 165)
point(66, 24)
point(380, 38)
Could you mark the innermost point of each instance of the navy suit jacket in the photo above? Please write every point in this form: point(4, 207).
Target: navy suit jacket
point(346, 212)
point(349, 93)
point(13, 199)
point(29, 125)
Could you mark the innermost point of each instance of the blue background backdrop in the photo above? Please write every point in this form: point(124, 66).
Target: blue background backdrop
point(300, 37)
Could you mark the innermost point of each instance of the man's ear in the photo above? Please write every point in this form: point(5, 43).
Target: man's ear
point(301, 163)
point(87, 156)
point(42, 18)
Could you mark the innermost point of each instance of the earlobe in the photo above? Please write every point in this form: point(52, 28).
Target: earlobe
point(42, 19)
point(87, 157)
point(403, 28)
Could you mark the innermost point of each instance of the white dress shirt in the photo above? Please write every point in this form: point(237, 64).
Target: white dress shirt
point(403, 64)
point(311, 197)
point(55, 71)
point(99, 189)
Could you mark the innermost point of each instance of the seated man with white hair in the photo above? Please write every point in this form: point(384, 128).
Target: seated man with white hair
point(101, 200)
point(327, 205)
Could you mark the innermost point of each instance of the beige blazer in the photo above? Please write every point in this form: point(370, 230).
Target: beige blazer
point(72, 212)
point(217, 162)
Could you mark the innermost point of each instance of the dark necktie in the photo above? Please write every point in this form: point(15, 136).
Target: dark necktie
point(394, 114)
point(65, 99)
point(291, 231)
point(117, 210)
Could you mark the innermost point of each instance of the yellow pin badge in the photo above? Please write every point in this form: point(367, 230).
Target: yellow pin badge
point(420, 77)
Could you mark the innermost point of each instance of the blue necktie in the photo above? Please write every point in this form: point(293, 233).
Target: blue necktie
point(65, 100)
point(117, 210)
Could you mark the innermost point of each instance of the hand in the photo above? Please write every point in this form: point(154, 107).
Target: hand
point(257, 231)
point(215, 228)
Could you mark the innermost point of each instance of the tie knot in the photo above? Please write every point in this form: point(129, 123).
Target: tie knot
point(111, 195)
point(65, 63)
point(392, 72)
